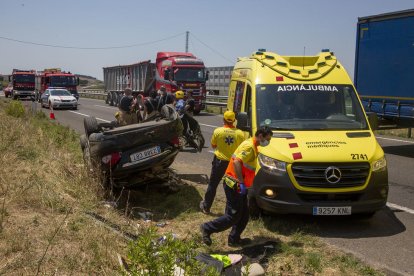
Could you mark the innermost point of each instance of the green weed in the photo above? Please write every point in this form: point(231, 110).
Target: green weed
point(15, 109)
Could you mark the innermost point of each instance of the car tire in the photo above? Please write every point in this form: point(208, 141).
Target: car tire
point(196, 112)
point(91, 125)
point(83, 141)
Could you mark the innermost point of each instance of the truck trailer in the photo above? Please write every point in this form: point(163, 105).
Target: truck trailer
point(174, 70)
point(384, 64)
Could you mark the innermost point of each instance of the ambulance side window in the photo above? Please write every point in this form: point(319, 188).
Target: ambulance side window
point(238, 98)
point(248, 101)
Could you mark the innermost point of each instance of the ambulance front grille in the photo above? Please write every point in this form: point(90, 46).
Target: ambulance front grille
point(315, 175)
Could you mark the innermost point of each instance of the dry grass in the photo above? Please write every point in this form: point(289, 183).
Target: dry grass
point(45, 191)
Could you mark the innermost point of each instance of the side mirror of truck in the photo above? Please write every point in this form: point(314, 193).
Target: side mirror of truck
point(167, 74)
point(207, 75)
point(77, 81)
point(9, 78)
point(243, 122)
point(373, 120)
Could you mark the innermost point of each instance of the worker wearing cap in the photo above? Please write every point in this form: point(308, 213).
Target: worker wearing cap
point(224, 141)
point(179, 102)
point(238, 177)
point(126, 107)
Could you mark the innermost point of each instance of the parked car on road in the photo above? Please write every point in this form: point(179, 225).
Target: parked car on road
point(132, 155)
point(58, 98)
point(8, 90)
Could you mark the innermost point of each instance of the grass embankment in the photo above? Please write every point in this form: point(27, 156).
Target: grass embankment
point(45, 191)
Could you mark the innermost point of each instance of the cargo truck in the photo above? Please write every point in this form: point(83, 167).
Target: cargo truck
point(384, 67)
point(56, 78)
point(174, 70)
point(323, 158)
point(23, 83)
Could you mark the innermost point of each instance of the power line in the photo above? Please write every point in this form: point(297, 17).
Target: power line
point(90, 48)
point(212, 49)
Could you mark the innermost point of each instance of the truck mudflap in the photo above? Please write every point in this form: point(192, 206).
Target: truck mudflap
point(287, 199)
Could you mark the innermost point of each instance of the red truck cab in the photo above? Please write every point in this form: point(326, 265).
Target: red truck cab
point(182, 71)
point(23, 83)
point(55, 77)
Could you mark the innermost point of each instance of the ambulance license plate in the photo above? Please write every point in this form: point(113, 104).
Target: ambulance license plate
point(145, 154)
point(332, 211)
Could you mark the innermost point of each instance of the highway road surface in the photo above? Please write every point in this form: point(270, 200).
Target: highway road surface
point(385, 241)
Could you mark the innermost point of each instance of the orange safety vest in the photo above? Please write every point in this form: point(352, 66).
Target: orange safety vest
point(247, 154)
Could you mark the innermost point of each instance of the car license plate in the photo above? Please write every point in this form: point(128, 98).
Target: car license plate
point(332, 211)
point(145, 154)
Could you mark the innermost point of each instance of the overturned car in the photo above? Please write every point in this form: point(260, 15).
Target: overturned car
point(132, 155)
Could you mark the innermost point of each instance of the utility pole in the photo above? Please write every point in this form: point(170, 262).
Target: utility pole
point(186, 41)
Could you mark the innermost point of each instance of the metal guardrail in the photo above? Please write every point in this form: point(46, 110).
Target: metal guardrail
point(213, 100)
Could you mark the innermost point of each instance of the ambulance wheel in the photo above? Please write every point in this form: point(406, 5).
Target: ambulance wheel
point(366, 215)
point(254, 209)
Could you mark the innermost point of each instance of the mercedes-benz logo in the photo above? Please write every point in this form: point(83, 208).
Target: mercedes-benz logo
point(332, 174)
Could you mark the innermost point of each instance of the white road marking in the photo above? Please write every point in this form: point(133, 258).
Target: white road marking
point(86, 115)
point(209, 125)
point(398, 207)
point(211, 151)
point(397, 140)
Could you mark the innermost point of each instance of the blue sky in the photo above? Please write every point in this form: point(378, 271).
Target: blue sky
point(231, 28)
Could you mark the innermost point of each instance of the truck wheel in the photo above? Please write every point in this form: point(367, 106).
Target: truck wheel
point(254, 209)
point(83, 141)
point(91, 125)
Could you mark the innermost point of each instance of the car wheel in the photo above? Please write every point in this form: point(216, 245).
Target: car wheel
point(91, 125)
point(196, 112)
point(87, 159)
point(83, 141)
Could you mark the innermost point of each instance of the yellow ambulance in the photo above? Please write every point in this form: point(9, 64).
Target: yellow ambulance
point(323, 158)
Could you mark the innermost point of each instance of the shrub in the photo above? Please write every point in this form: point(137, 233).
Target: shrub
point(154, 255)
point(15, 109)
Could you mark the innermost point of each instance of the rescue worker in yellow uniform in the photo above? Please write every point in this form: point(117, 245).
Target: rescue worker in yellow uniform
point(224, 141)
point(238, 177)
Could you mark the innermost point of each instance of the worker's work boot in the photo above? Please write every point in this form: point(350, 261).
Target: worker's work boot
point(205, 236)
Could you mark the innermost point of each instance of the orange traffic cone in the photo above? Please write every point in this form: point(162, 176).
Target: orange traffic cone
point(51, 114)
